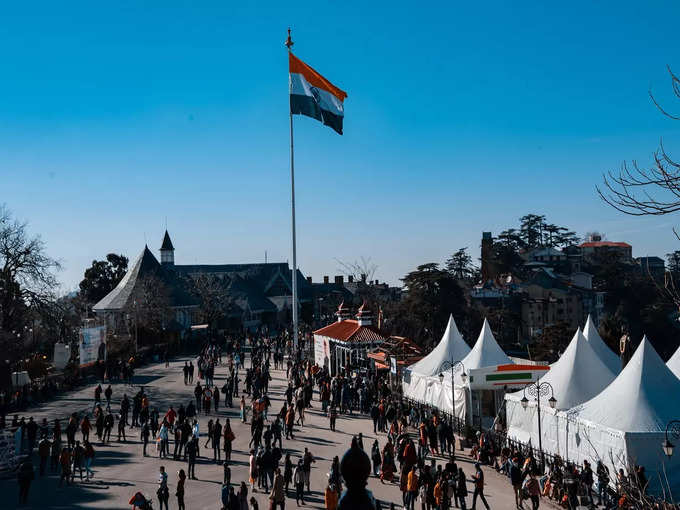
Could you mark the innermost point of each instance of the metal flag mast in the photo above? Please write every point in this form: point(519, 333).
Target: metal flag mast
point(289, 45)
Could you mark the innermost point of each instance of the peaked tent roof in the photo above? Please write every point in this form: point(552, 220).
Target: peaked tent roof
point(167, 243)
point(486, 351)
point(605, 353)
point(674, 363)
point(146, 264)
point(577, 376)
point(639, 398)
point(451, 347)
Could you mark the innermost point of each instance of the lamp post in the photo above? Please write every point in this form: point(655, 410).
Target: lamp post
point(539, 389)
point(672, 428)
point(454, 366)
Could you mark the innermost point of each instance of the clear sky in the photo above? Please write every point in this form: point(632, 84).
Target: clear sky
point(459, 119)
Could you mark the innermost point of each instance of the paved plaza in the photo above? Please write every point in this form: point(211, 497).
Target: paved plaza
point(121, 470)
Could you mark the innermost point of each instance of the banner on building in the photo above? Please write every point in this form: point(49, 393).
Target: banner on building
point(92, 345)
point(497, 377)
point(322, 354)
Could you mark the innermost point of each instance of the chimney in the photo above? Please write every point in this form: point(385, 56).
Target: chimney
point(309, 279)
point(350, 278)
point(325, 279)
point(339, 280)
point(363, 278)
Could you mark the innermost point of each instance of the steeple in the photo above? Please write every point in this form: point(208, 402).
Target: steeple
point(343, 312)
point(364, 317)
point(167, 251)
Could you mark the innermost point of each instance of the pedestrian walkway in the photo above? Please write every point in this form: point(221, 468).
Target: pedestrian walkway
point(121, 470)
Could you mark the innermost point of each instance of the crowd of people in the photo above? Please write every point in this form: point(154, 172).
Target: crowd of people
point(418, 452)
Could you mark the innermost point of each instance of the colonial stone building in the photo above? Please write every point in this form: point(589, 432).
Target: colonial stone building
point(256, 294)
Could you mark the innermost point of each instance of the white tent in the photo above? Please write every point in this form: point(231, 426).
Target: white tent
point(450, 347)
point(576, 377)
point(605, 353)
point(421, 380)
point(628, 419)
point(674, 363)
point(485, 353)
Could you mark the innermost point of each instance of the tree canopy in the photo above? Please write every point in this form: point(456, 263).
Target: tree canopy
point(102, 277)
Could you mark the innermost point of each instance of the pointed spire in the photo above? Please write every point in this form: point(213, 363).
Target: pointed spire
point(605, 353)
point(167, 243)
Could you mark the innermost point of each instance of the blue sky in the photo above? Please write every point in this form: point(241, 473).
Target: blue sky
point(459, 119)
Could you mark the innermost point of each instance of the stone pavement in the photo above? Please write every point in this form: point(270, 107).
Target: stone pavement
point(121, 470)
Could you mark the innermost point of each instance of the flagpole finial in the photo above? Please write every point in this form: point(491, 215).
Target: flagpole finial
point(289, 42)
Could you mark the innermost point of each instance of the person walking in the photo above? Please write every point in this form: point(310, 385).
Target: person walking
point(411, 488)
point(307, 460)
point(44, 453)
point(461, 489)
point(191, 450)
point(163, 492)
point(331, 497)
point(252, 471)
point(217, 436)
point(88, 456)
point(534, 489)
point(228, 438)
point(299, 481)
point(478, 479)
point(287, 471)
point(516, 478)
point(107, 393)
point(278, 494)
point(181, 477)
point(25, 476)
point(65, 461)
point(145, 433)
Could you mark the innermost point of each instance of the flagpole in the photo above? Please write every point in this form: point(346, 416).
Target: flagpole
point(289, 45)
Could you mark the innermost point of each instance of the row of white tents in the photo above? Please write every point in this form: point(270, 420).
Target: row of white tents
point(421, 381)
point(602, 412)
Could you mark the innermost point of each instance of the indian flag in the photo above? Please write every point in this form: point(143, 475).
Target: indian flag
point(314, 96)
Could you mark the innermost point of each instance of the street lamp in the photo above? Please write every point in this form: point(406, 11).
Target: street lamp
point(673, 427)
point(454, 366)
point(537, 390)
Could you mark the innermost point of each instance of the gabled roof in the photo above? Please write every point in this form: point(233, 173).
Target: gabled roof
point(577, 376)
point(674, 363)
point(605, 353)
point(641, 399)
point(145, 265)
point(167, 243)
point(451, 347)
point(350, 331)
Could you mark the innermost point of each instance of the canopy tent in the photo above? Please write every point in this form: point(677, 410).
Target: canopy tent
point(451, 347)
point(486, 352)
point(605, 353)
point(421, 380)
point(674, 363)
point(626, 422)
point(579, 375)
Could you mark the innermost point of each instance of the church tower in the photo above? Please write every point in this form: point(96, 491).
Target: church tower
point(167, 251)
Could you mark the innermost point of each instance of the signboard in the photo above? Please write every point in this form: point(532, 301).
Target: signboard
point(62, 353)
point(393, 365)
point(496, 377)
point(92, 345)
point(322, 354)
